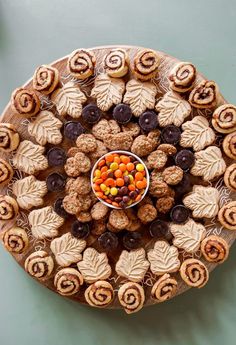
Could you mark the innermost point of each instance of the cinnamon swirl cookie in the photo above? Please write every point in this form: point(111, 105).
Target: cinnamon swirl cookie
point(99, 294)
point(227, 215)
point(15, 240)
point(39, 265)
point(224, 118)
point(45, 79)
point(145, 64)
point(230, 177)
point(204, 95)
point(194, 273)
point(182, 77)
point(229, 145)
point(25, 102)
point(9, 138)
point(116, 63)
point(8, 208)
point(6, 172)
point(164, 288)
point(68, 281)
point(215, 249)
point(131, 297)
point(81, 63)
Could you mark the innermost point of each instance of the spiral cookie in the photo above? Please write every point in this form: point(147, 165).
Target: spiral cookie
point(194, 273)
point(68, 281)
point(215, 249)
point(182, 77)
point(9, 138)
point(145, 64)
point(8, 208)
point(6, 172)
point(15, 240)
point(227, 215)
point(45, 79)
point(164, 288)
point(39, 265)
point(116, 63)
point(224, 118)
point(229, 145)
point(99, 294)
point(204, 95)
point(25, 102)
point(131, 297)
point(81, 63)
point(230, 177)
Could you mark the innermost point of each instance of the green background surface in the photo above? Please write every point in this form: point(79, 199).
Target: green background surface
point(39, 31)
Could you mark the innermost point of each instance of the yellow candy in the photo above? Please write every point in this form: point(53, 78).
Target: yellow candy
point(97, 173)
point(95, 179)
point(125, 173)
point(114, 166)
point(131, 178)
point(103, 187)
point(114, 191)
point(130, 202)
point(139, 167)
point(107, 191)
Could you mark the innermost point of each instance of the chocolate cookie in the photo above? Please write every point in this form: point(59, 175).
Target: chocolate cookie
point(73, 129)
point(55, 182)
point(91, 113)
point(56, 156)
point(108, 241)
point(179, 214)
point(80, 230)
point(148, 121)
point(132, 240)
point(160, 229)
point(171, 134)
point(122, 113)
point(185, 159)
point(59, 209)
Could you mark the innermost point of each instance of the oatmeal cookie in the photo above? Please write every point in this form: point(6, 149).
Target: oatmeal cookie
point(118, 219)
point(86, 143)
point(72, 151)
point(147, 213)
point(104, 127)
point(99, 211)
point(71, 167)
point(74, 203)
point(158, 188)
point(164, 204)
point(132, 128)
point(98, 227)
point(101, 150)
point(169, 149)
point(173, 175)
point(84, 216)
point(120, 141)
point(142, 146)
point(83, 162)
point(80, 185)
point(157, 159)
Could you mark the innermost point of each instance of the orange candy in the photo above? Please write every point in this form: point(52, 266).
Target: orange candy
point(117, 160)
point(115, 204)
point(101, 195)
point(131, 187)
point(130, 166)
point(122, 167)
point(125, 159)
point(96, 188)
point(101, 163)
point(110, 158)
point(99, 181)
point(110, 182)
point(138, 197)
point(118, 173)
point(104, 175)
point(120, 182)
point(141, 184)
point(138, 176)
point(105, 168)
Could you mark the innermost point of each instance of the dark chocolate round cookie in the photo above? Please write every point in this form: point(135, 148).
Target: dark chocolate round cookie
point(59, 209)
point(80, 230)
point(132, 240)
point(122, 113)
point(179, 214)
point(73, 129)
point(185, 159)
point(148, 121)
point(56, 156)
point(55, 182)
point(159, 229)
point(171, 134)
point(108, 241)
point(91, 113)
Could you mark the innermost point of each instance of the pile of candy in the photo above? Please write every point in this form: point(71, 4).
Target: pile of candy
point(119, 179)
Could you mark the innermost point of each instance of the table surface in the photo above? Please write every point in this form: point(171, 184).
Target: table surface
point(40, 31)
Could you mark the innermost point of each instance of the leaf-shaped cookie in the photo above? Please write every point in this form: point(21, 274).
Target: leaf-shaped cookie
point(209, 163)
point(203, 201)
point(132, 265)
point(44, 222)
point(173, 109)
point(69, 100)
point(197, 133)
point(67, 249)
point(163, 258)
point(29, 192)
point(140, 96)
point(107, 91)
point(94, 266)
point(188, 236)
point(29, 158)
point(46, 128)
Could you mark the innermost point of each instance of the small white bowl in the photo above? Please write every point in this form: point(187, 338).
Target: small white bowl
point(127, 153)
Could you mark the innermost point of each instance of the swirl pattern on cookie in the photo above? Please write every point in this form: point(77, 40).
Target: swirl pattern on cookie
point(8, 208)
point(16, 240)
point(164, 288)
point(131, 297)
point(99, 294)
point(25, 102)
point(116, 63)
point(205, 95)
point(194, 273)
point(224, 118)
point(6, 172)
point(229, 145)
point(145, 64)
point(227, 215)
point(182, 77)
point(230, 177)
point(215, 249)
point(45, 79)
point(68, 281)
point(81, 63)
point(39, 265)
point(9, 138)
